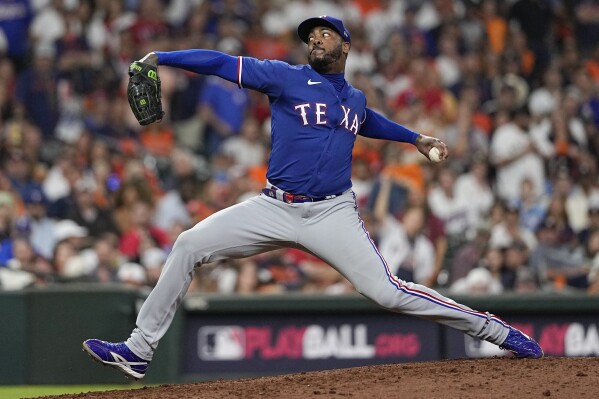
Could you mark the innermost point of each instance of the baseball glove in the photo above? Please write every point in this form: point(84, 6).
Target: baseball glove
point(143, 92)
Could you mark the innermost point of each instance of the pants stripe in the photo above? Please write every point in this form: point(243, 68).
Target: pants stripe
point(397, 283)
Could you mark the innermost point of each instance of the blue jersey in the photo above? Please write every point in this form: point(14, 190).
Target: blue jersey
point(313, 127)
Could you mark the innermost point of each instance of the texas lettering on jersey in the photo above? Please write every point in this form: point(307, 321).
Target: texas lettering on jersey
point(316, 114)
point(311, 150)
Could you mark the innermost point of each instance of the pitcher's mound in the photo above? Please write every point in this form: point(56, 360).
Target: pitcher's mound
point(473, 378)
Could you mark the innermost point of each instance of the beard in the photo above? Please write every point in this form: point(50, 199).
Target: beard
point(322, 63)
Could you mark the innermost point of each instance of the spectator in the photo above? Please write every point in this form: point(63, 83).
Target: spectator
point(424, 88)
point(78, 237)
point(142, 234)
point(297, 11)
point(478, 281)
point(493, 260)
point(392, 62)
point(515, 159)
point(276, 272)
point(27, 267)
point(6, 226)
point(150, 24)
point(592, 248)
point(182, 164)
point(215, 194)
point(362, 181)
point(221, 277)
point(19, 170)
point(557, 212)
point(587, 24)
point(132, 275)
point(435, 232)
point(48, 25)
point(222, 107)
point(382, 21)
point(583, 193)
point(474, 188)
point(75, 60)
point(36, 90)
point(105, 258)
point(128, 194)
point(543, 100)
point(246, 149)
point(452, 209)
point(59, 179)
point(404, 176)
point(18, 273)
point(259, 44)
point(472, 29)
point(474, 75)
point(447, 61)
point(472, 127)
point(532, 207)
point(188, 128)
point(247, 278)
point(97, 120)
point(172, 208)
point(158, 140)
point(515, 265)
point(86, 212)
point(152, 259)
point(7, 107)
point(67, 266)
point(508, 231)
point(35, 224)
point(316, 274)
point(496, 26)
point(526, 282)
point(535, 19)
point(519, 59)
point(362, 57)
point(469, 256)
point(14, 27)
point(11, 195)
point(374, 95)
point(409, 253)
point(557, 265)
point(593, 224)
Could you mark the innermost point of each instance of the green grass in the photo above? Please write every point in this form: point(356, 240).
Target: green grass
point(33, 391)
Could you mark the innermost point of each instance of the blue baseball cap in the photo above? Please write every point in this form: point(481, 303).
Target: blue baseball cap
point(34, 195)
point(303, 30)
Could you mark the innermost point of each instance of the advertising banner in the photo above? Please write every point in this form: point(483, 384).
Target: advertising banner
point(558, 336)
point(276, 343)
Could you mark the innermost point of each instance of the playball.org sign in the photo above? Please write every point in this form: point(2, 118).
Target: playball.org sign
point(275, 344)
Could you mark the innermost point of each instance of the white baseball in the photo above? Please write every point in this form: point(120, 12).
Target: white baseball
point(434, 154)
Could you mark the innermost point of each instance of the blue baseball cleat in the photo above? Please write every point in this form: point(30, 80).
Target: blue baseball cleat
point(117, 355)
point(521, 345)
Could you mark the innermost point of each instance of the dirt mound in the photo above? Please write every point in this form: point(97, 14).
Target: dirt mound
point(482, 378)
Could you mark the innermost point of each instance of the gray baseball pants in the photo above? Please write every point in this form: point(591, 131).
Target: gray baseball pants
point(330, 229)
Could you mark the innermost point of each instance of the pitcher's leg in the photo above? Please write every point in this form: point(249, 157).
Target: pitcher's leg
point(237, 231)
point(343, 242)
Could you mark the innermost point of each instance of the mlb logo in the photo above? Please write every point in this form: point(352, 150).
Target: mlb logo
point(217, 343)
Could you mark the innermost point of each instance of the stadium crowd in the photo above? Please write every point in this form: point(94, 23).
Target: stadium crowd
point(512, 87)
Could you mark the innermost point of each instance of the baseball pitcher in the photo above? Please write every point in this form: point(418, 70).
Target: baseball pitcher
point(307, 201)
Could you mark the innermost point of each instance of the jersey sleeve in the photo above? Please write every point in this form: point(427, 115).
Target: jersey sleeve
point(266, 76)
point(206, 62)
point(376, 126)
